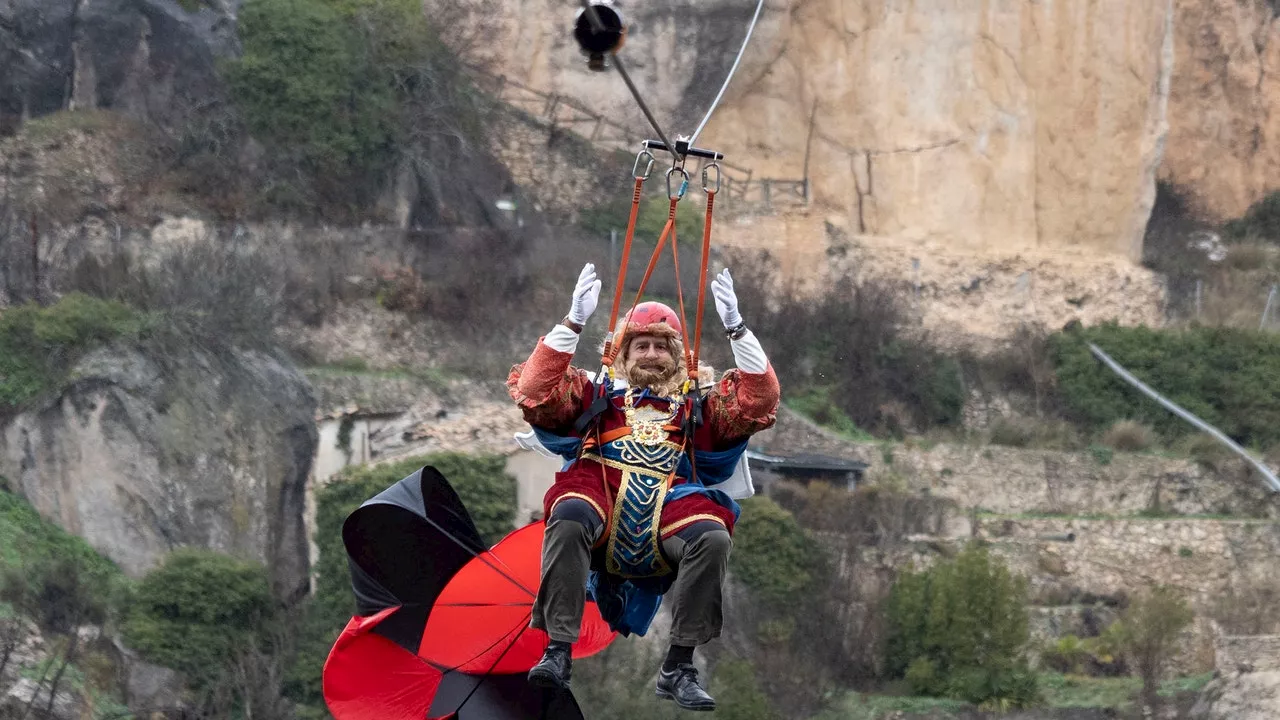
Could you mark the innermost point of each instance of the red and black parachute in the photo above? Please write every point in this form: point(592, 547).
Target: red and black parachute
point(442, 625)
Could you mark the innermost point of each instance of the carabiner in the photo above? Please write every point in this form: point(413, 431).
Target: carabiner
point(635, 167)
point(684, 184)
point(705, 168)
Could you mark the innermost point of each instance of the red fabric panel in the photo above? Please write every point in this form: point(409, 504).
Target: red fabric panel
point(480, 622)
point(368, 677)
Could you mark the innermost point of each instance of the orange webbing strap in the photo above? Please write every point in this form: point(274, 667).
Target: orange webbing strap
point(702, 275)
point(622, 271)
point(667, 229)
point(691, 369)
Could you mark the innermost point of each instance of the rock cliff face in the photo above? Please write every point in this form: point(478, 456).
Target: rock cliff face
point(1224, 133)
point(1005, 124)
point(147, 58)
point(998, 125)
point(144, 453)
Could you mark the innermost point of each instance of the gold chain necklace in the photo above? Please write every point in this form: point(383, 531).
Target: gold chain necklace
point(649, 429)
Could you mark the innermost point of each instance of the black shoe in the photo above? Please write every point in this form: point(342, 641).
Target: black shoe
point(682, 686)
point(553, 670)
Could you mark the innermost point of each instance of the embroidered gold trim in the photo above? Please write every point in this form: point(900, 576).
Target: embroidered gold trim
point(594, 505)
point(684, 522)
point(624, 467)
point(611, 562)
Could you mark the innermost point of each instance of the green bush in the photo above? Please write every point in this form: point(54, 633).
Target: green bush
point(772, 555)
point(654, 210)
point(39, 345)
point(338, 89)
point(49, 574)
point(959, 630)
point(1148, 633)
point(1230, 378)
point(738, 693)
point(1261, 220)
point(196, 610)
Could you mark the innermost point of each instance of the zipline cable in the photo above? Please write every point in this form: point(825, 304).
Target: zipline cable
point(734, 68)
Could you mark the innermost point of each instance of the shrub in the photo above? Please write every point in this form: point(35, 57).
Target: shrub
point(340, 90)
point(49, 574)
point(772, 555)
point(654, 210)
point(1147, 634)
point(1261, 220)
point(197, 611)
point(849, 344)
point(1129, 436)
point(39, 345)
point(1248, 256)
point(1229, 378)
point(216, 292)
point(959, 629)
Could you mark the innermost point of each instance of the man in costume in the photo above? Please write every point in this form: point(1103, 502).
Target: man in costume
point(635, 514)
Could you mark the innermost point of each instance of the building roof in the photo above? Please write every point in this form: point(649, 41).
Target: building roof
point(807, 461)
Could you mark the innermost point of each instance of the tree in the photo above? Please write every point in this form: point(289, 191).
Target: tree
point(1148, 632)
point(959, 629)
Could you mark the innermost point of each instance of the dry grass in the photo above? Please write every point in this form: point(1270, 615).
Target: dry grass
point(1129, 436)
point(1041, 433)
point(1247, 256)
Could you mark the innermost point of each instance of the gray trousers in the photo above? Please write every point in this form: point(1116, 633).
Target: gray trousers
point(699, 552)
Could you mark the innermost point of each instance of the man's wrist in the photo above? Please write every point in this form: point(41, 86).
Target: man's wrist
point(736, 332)
point(569, 323)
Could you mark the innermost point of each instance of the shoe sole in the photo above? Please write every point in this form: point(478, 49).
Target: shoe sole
point(544, 679)
point(697, 708)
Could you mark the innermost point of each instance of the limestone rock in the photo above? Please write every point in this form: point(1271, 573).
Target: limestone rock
point(1009, 124)
point(1240, 696)
point(147, 58)
point(1224, 134)
point(144, 453)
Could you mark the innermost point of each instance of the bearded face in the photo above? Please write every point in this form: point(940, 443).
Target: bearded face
point(649, 361)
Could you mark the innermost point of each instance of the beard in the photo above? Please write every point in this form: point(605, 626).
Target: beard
point(654, 373)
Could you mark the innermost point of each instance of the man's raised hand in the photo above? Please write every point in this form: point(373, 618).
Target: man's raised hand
point(585, 296)
point(726, 299)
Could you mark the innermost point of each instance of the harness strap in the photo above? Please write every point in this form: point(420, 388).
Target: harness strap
point(618, 341)
point(702, 275)
point(608, 355)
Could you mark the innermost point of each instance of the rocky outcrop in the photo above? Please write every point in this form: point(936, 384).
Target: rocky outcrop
point(145, 452)
point(1247, 686)
point(145, 58)
point(1240, 696)
point(1223, 148)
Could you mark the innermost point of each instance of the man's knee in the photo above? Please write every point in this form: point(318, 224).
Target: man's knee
point(716, 543)
point(579, 512)
point(705, 538)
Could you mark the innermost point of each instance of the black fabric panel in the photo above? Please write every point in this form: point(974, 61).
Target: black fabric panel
point(409, 540)
point(501, 697)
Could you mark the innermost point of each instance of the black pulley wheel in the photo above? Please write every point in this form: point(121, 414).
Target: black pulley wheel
point(598, 42)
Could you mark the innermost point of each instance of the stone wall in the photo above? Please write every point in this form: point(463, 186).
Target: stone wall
point(1209, 559)
point(1016, 480)
point(1247, 653)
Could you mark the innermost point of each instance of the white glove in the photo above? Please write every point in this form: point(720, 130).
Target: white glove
point(726, 300)
point(585, 296)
